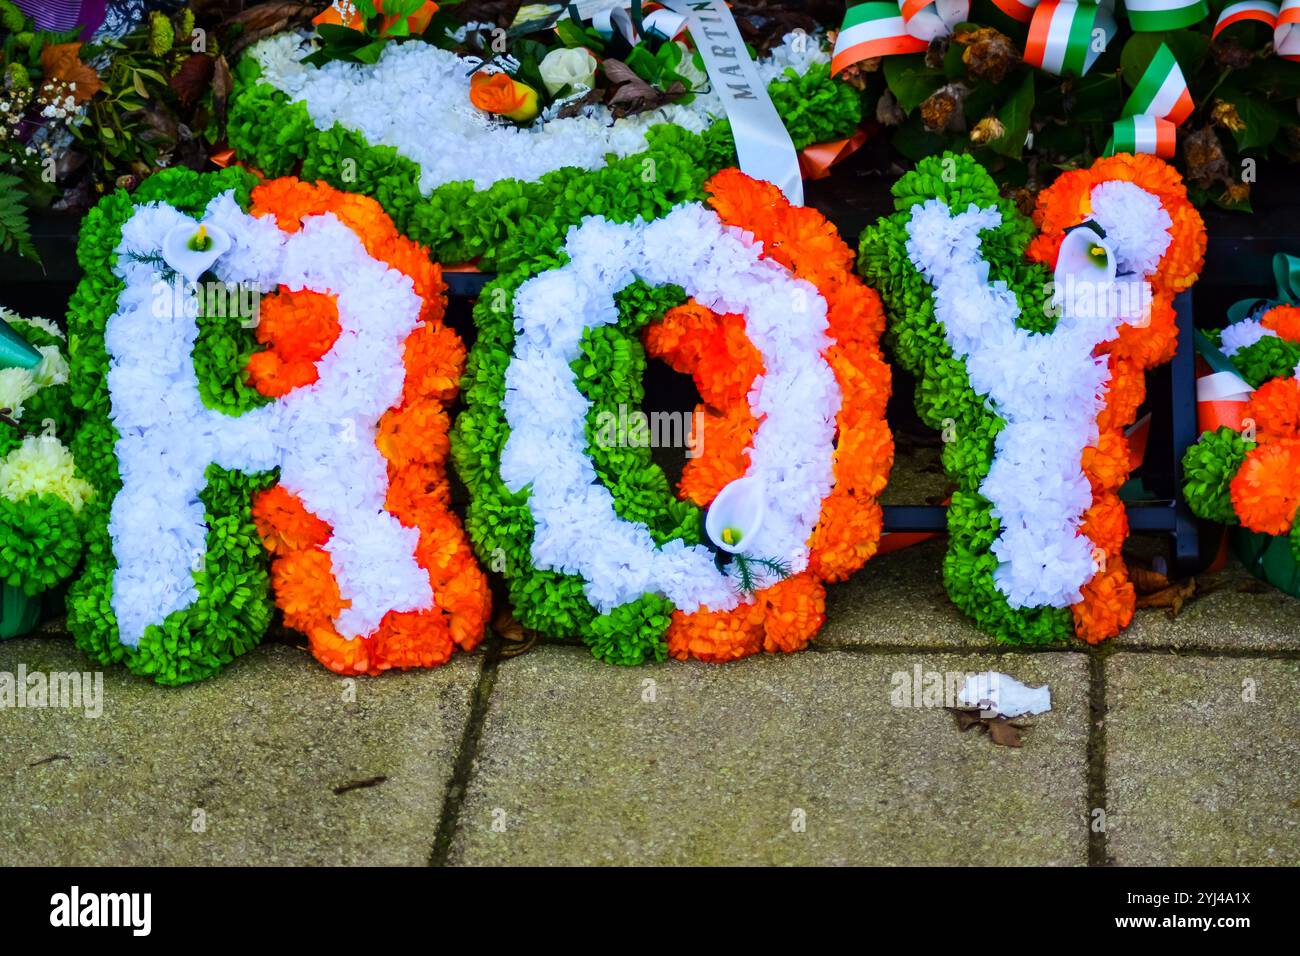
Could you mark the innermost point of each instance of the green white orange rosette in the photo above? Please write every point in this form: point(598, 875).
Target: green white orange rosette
point(754, 298)
point(1159, 104)
point(1246, 471)
point(1282, 20)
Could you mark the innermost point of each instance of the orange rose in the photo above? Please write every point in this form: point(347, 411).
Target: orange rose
point(499, 93)
point(415, 23)
point(345, 14)
point(341, 14)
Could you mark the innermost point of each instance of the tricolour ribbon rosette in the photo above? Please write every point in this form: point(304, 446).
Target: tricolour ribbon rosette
point(887, 29)
point(655, 19)
point(1022, 10)
point(871, 30)
point(1258, 11)
point(929, 19)
point(1065, 38)
point(1282, 21)
point(1159, 104)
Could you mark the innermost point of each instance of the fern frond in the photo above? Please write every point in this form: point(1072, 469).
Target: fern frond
point(15, 227)
point(747, 581)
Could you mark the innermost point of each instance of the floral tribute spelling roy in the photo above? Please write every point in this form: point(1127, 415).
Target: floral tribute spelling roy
point(299, 453)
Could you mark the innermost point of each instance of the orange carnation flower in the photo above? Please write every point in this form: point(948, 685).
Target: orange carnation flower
point(1266, 489)
point(1274, 407)
point(300, 328)
point(1284, 320)
point(285, 524)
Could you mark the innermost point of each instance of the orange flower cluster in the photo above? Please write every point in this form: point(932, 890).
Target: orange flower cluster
point(1266, 489)
point(1109, 599)
point(300, 327)
point(1284, 320)
point(715, 350)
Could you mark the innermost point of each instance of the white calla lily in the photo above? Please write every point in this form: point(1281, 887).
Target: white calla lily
point(1086, 256)
point(1085, 272)
point(192, 249)
point(736, 515)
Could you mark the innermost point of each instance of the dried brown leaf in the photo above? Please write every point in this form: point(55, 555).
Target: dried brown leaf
point(1147, 580)
point(62, 61)
point(193, 78)
point(221, 84)
point(516, 638)
point(1003, 731)
point(1172, 597)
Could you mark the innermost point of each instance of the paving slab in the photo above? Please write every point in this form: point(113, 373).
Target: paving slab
point(790, 759)
point(1196, 774)
point(240, 769)
point(1234, 611)
point(898, 599)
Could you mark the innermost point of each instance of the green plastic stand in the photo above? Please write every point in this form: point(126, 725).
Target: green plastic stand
point(1269, 558)
point(18, 612)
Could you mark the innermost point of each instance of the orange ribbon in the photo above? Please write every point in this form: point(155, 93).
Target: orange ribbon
point(815, 161)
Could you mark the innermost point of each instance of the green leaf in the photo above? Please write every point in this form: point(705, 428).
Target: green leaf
point(1015, 115)
point(1189, 49)
point(370, 53)
point(643, 63)
point(401, 8)
point(910, 80)
point(1096, 97)
point(1262, 119)
point(337, 36)
point(916, 142)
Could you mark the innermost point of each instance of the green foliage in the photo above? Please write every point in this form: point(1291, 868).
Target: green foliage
point(1209, 467)
point(12, 19)
point(221, 355)
point(40, 542)
point(15, 229)
point(1271, 357)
